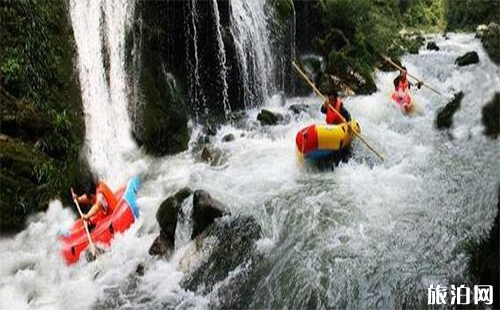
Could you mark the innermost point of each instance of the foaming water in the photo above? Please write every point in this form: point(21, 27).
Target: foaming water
point(367, 234)
point(100, 26)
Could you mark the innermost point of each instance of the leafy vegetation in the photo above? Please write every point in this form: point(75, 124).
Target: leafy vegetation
point(42, 127)
point(358, 32)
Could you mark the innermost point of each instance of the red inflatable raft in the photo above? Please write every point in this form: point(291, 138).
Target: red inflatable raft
point(403, 101)
point(74, 241)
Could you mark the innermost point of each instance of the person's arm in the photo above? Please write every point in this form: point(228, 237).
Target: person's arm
point(345, 113)
point(93, 211)
point(323, 107)
point(396, 82)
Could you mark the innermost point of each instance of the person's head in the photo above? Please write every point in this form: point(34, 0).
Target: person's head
point(90, 189)
point(332, 95)
point(403, 72)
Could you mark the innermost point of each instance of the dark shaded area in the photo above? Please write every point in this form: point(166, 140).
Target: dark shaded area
point(491, 117)
point(42, 128)
point(160, 122)
point(444, 118)
point(205, 210)
point(235, 249)
point(484, 264)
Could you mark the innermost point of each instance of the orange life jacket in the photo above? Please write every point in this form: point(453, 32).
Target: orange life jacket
point(333, 118)
point(103, 189)
point(402, 85)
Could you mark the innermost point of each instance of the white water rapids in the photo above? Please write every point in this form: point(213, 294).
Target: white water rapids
point(368, 234)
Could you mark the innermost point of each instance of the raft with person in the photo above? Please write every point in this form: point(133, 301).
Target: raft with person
point(323, 141)
point(101, 229)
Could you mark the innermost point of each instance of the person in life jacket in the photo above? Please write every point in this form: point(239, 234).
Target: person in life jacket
point(402, 84)
point(334, 102)
point(100, 198)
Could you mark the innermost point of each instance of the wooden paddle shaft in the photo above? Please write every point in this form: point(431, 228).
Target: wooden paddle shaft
point(316, 90)
point(91, 243)
point(398, 67)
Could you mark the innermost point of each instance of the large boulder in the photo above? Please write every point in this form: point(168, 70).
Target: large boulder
point(234, 253)
point(491, 117)
point(205, 210)
point(166, 216)
point(268, 118)
point(491, 42)
point(467, 59)
point(444, 118)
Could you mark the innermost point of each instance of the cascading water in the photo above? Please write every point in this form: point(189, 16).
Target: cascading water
point(251, 37)
point(221, 57)
point(107, 121)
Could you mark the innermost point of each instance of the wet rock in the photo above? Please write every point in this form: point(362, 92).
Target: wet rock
point(206, 154)
point(212, 155)
point(162, 246)
point(432, 46)
point(234, 249)
point(491, 117)
point(140, 270)
point(481, 31)
point(444, 118)
point(205, 210)
point(491, 42)
point(166, 216)
point(299, 108)
point(267, 118)
point(467, 59)
point(228, 138)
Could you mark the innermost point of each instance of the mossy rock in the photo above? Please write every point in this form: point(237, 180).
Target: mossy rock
point(491, 117)
point(267, 118)
point(491, 42)
point(40, 107)
point(467, 59)
point(444, 119)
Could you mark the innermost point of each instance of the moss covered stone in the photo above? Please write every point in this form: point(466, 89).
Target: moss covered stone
point(41, 110)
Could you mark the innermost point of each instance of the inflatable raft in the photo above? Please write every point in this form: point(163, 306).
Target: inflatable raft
point(318, 142)
point(404, 102)
point(74, 241)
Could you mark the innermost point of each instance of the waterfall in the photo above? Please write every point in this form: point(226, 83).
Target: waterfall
point(253, 45)
point(221, 58)
point(105, 105)
point(196, 94)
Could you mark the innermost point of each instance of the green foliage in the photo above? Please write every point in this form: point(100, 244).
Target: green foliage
point(467, 14)
point(41, 107)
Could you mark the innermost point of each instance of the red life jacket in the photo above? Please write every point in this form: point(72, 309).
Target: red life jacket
point(333, 118)
point(402, 85)
point(103, 189)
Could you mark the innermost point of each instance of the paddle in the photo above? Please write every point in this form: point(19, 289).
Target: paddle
point(304, 76)
point(93, 250)
point(401, 69)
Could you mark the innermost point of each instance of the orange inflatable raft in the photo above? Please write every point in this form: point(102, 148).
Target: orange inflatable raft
point(74, 241)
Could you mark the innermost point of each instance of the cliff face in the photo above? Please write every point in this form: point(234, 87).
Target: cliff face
point(42, 127)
